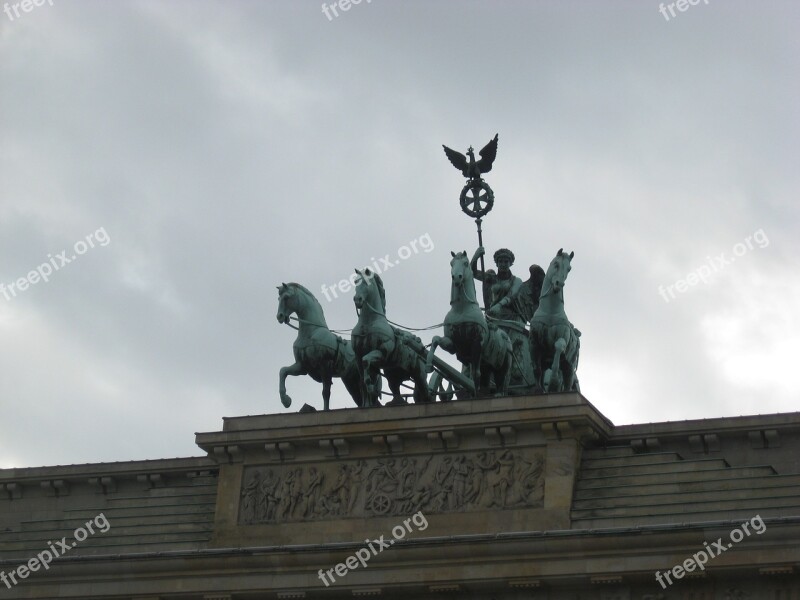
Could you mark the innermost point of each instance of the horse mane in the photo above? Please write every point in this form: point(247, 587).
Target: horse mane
point(547, 285)
point(381, 290)
point(303, 288)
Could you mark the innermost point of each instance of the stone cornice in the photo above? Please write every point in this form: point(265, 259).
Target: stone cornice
point(169, 467)
point(784, 421)
point(499, 419)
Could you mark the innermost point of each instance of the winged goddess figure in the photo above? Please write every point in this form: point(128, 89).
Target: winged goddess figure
point(472, 169)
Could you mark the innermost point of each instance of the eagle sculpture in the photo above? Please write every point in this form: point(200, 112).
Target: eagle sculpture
point(471, 168)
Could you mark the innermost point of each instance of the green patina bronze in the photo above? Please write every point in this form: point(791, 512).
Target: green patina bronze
point(378, 345)
point(482, 347)
point(510, 304)
point(477, 198)
point(317, 352)
point(523, 344)
point(555, 342)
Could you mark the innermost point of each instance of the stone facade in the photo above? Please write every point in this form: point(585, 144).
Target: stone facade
point(537, 497)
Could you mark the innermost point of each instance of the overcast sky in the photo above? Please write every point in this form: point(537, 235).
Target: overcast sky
point(212, 150)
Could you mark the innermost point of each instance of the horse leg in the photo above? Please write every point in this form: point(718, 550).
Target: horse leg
point(575, 386)
point(420, 385)
point(368, 363)
point(375, 378)
point(537, 352)
point(552, 385)
point(363, 373)
point(571, 366)
point(485, 381)
point(295, 369)
point(394, 378)
point(502, 374)
point(434, 344)
point(475, 357)
point(327, 381)
point(569, 378)
point(439, 342)
point(369, 387)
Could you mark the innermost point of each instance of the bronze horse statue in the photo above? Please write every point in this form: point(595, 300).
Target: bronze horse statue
point(379, 345)
point(555, 342)
point(317, 351)
point(467, 335)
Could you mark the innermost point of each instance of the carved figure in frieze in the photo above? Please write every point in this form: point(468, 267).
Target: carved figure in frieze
point(407, 480)
point(356, 483)
point(330, 505)
point(250, 498)
point(383, 477)
point(407, 477)
point(444, 472)
point(444, 478)
point(503, 481)
point(487, 464)
point(426, 472)
point(310, 498)
point(383, 483)
point(284, 508)
point(296, 494)
point(268, 500)
point(339, 494)
point(419, 499)
point(528, 486)
point(475, 484)
point(461, 472)
point(417, 491)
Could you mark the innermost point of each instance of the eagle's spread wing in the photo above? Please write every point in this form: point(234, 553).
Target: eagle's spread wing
point(488, 154)
point(459, 160)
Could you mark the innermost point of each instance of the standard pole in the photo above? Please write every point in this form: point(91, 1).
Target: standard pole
point(480, 241)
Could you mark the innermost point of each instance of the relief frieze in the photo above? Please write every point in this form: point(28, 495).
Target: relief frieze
point(461, 482)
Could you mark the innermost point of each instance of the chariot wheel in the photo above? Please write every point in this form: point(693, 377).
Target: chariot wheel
point(441, 387)
point(381, 504)
point(477, 198)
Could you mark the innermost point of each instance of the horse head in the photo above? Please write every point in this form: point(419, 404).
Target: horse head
point(285, 304)
point(368, 295)
point(294, 298)
point(557, 272)
point(463, 288)
point(459, 268)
